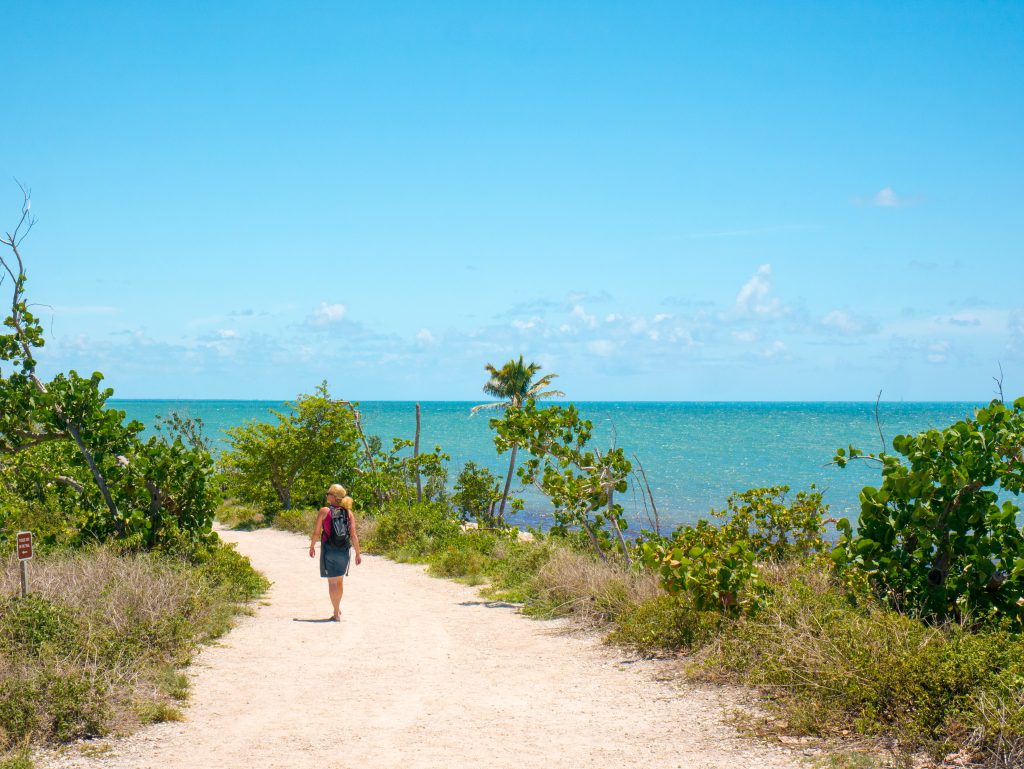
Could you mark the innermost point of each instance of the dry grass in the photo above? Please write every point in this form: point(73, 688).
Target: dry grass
point(595, 592)
point(100, 584)
point(236, 515)
point(366, 528)
point(997, 736)
point(95, 647)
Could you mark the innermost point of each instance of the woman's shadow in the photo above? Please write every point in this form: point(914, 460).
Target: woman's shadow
point(319, 621)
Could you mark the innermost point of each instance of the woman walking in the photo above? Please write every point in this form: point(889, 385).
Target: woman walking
point(335, 527)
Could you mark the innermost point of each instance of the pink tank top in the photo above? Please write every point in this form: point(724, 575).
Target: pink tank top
point(326, 533)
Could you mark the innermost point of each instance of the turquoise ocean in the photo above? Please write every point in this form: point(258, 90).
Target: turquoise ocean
point(695, 454)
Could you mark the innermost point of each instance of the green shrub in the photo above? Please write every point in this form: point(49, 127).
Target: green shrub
point(299, 521)
point(291, 463)
point(717, 566)
point(224, 569)
point(34, 624)
point(416, 529)
point(711, 565)
point(237, 515)
point(514, 568)
point(774, 530)
point(60, 706)
point(19, 714)
point(94, 648)
point(20, 758)
point(938, 537)
point(458, 560)
point(831, 665)
point(665, 624)
point(77, 706)
point(476, 492)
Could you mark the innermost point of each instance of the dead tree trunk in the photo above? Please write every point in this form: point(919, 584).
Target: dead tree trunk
point(415, 456)
point(381, 496)
point(508, 483)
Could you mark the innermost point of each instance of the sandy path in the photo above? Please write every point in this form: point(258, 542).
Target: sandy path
point(420, 673)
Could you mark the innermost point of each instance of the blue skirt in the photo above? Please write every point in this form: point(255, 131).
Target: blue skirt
point(333, 561)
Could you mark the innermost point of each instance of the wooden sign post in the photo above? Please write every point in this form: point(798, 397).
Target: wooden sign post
point(24, 556)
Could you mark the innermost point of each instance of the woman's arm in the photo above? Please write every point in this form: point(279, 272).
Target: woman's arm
point(317, 528)
point(355, 536)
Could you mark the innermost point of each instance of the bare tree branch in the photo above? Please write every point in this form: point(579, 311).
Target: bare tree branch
point(650, 495)
point(31, 440)
point(16, 322)
point(878, 422)
point(67, 480)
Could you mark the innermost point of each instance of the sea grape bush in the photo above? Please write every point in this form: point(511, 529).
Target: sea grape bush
point(382, 477)
point(432, 467)
point(477, 491)
point(717, 564)
point(291, 463)
point(710, 564)
point(580, 481)
point(777, 531)
point(939, 538)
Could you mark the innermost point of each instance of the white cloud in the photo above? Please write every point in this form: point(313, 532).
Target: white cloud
point(775, 349)
point(525, 325)
point(227, 333)
point(327, 314)
point(745, 336)
point(753, 296)
point(846, 323)
point(601, 347)
point(579, 312)
point(886, 198)
point(423, 336)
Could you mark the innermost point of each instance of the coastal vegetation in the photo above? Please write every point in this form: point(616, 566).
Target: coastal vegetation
point(902, 631)
point(903, 628)
point(514, 384)
point(128, 576)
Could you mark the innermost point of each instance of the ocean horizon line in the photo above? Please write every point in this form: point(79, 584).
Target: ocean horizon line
point(555, 400)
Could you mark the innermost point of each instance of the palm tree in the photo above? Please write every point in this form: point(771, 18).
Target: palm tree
point(514, 384)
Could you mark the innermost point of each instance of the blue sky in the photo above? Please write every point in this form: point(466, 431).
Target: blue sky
point(672, 201)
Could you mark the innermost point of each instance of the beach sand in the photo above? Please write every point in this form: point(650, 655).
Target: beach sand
point(420, 672)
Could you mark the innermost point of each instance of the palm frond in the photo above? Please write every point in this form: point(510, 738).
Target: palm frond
point(484, 406)
point(547, 394)
point(514, 384)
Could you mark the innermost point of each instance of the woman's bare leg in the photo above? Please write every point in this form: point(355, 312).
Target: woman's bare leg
point(336, 589)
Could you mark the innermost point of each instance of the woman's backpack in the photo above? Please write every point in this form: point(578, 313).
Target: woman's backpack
point(338, 534)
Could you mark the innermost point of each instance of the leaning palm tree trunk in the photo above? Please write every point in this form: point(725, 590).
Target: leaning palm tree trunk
point(508, 483)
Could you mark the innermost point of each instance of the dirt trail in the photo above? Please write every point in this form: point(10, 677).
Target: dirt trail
point(421, 672)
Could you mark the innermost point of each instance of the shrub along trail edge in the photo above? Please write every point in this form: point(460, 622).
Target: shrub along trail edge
point(421, 672)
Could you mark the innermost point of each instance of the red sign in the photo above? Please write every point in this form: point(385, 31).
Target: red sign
point(24, 545)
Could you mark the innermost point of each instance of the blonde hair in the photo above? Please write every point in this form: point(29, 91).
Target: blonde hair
point(346, 502)
point(337, 490)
